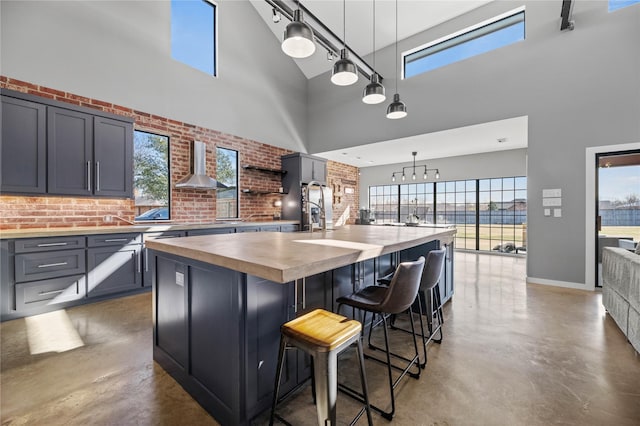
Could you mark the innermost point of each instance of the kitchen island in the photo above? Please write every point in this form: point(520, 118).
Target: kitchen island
point(219, 301)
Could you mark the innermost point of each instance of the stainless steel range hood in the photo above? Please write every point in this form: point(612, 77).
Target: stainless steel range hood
point(198, 178)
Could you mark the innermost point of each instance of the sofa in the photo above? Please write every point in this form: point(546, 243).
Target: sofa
point(621, 290)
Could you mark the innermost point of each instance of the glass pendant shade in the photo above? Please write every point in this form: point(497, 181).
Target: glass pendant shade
point(397, 108)
point(345, 72)
point(298, 38)
point(374, 92)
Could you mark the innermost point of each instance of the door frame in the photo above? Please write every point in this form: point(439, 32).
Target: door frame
point(590, 233)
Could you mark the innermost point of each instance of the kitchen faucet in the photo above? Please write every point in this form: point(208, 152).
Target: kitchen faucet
point(323, 222)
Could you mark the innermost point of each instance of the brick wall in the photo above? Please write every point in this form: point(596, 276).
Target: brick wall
point(344, 180)
point(187, 205)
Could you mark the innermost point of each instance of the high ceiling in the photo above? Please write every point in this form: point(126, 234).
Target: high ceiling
point(487, 137)
point(414, 16)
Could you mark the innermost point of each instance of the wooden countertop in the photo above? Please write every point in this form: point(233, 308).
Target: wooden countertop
point(142, 227)
point(284, 257)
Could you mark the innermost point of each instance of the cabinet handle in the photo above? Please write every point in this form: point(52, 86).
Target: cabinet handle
point(304, 293)
point(51, 244)
point(97, 176)
point(114, 240)
point(47, 293)
point(146, 260)
point(89, 176)
point(49, 265)
point(295, 296)
point(139, 260)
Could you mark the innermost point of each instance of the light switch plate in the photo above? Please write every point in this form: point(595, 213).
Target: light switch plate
point(547, 212)
point(557, 212)
point(551, 202)
point(180, 279)
point(557, 192)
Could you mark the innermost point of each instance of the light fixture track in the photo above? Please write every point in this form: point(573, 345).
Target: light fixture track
point(323, 34)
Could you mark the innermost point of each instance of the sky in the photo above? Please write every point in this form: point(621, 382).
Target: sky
point(618, 182)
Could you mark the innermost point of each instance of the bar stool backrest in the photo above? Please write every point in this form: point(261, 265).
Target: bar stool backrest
point(432, 269)
point(403, 288)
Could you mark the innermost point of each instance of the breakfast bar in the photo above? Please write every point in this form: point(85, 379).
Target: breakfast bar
point(219, 302)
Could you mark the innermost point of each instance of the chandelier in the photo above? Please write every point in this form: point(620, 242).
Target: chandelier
point(413, 168)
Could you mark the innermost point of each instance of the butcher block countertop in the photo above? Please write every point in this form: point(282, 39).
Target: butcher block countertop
point(138, 227)
point(284, 257)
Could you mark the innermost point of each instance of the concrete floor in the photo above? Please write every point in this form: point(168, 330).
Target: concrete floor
point(513, 354)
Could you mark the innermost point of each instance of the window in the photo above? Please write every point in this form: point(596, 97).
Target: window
point(193, 34)
point(489, 214)
point(619, 4)
point(481, 38)
point(151, 176)
point(227, 177)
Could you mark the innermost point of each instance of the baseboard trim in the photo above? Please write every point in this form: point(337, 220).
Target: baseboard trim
point(556, 283)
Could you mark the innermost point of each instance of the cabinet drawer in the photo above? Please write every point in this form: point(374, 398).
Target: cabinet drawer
point(40, 266)
point(163, 235)
point(211, 231)
point(114, 239)
point(46, 292)
point(29, 245)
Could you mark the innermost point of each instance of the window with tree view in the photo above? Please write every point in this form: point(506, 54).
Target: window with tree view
point(151, 176)
point(227, 177)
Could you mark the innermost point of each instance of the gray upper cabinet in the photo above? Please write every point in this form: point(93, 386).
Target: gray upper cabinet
point(313, 169)
point(51, 147)
point(70, 152)
point(113, 155)
point(23, 148)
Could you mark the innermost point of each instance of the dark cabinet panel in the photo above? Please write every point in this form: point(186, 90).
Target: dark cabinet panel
point(47, 292)
point(313, 169)
point(114, 239)
point(148, 260)
point(171, 312)
point(210, 231)
point(113, 157)
point(29, 245)
point(289, 228)
point(113, 269)
point(23, 148)
point(40, 266)
point(214, 330)
point(70, 152)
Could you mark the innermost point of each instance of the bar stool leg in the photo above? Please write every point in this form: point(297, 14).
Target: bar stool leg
point(325, 368)
point(283, 345)
point(363, 380)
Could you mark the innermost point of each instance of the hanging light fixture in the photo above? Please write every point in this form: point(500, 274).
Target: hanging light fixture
point(298, 38)
point(413, 170)
point(276, 16)
point(374, 91)
point(397, 108)
point(345, 72)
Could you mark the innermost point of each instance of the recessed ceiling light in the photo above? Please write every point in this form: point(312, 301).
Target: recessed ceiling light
point(502, 140)
point(344, 153)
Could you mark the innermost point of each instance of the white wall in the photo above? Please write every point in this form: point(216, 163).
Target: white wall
point(478, 166)
point(120, 52)
point(579, 88)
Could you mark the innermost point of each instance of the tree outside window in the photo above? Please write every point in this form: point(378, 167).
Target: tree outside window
point(151, 175)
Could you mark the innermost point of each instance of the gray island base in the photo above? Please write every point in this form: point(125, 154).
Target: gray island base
point(219, 302)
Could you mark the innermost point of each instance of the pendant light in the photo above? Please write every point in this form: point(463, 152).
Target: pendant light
point(344, 72)
point(374, 91)
point(397, 108)
point(298, 38)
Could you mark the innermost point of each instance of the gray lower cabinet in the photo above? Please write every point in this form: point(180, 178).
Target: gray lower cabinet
point(210, 231)
point(114, 263)
point(148, 261)
point(23, 149)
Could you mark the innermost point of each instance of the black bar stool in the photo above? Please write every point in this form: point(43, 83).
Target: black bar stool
point(385, 301)
point(323, 335)
point(430, 279)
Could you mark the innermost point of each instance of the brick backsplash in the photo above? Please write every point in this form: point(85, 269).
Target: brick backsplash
point(187, 205)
